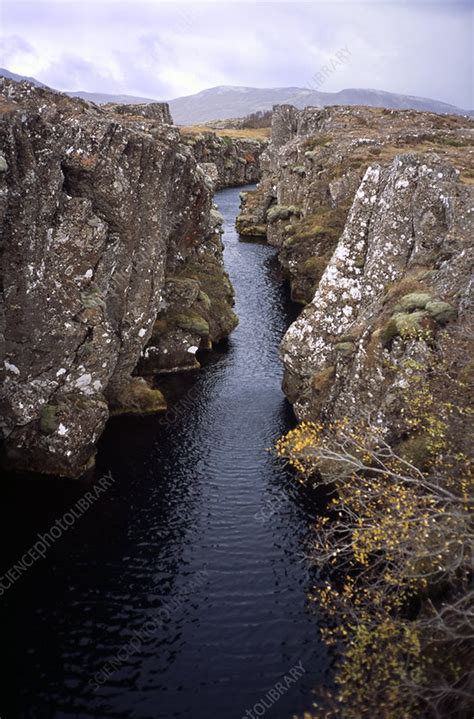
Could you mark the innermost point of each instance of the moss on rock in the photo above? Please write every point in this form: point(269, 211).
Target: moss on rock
point(222, 316)
point(282, 212)
point(405, 325)
point(216, 217)
point(138, 398)
point(415, 450)
point(192, 321)
point(413, 301)
point(441, 312)
point(325, 225)
point(314, 266)
point(204, 298)
point(210, 315)
point(246, 230)
point(466, 375)
point(345, 347)
point(49, 419)
point(317, 141)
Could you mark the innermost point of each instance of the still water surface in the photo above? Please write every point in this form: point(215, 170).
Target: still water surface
point(199, 532)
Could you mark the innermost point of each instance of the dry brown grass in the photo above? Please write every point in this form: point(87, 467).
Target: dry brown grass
point(461, 156)
point(7, 106)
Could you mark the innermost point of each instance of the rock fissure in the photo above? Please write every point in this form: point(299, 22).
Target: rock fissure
point(111, 267)
point(367, 207)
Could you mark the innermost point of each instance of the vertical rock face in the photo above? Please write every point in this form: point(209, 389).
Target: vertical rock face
point(371, 210)
point(196, 310)
point(98, 210)
point(234, 161)
point(314, 165)
point(397, 291)
point(157, 111)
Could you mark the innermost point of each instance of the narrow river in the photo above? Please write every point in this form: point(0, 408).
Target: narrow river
point(182, 592)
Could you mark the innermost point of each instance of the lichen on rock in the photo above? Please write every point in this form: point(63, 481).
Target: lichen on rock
point(379, 252)
point(412, 214)
point(101, 209)
point(233, 161)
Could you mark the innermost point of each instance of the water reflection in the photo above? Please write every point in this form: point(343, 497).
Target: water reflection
point(184, 505)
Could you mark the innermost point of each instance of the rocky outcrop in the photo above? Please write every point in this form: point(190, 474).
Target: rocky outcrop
point(314, 165)
point(372, 212)
point(196, 310)
point(107, 225)
point(251, 222)
point(233, 161)
point(157, 111)
point(396, 295)
point(232, 123)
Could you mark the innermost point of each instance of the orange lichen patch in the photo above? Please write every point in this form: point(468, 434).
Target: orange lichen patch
point(323, 379)
point(88, 161)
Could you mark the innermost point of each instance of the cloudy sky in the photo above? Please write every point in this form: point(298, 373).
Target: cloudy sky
point(166, 49)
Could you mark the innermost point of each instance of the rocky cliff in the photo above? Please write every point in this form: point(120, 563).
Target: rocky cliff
point(231, 161)
point(372, 212)
point(111, 258)
point(394, 301)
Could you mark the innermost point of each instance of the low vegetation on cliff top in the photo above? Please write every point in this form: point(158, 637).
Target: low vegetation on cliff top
point(256, 133)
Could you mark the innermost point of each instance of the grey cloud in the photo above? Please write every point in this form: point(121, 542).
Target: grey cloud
point(167, 49)
point(13, 46)
point(74, 73)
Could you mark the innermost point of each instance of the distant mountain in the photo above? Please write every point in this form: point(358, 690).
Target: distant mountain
point(99, 98)
point(229, 101)
point(19, 78)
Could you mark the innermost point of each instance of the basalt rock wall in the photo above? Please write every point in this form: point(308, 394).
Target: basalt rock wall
point(111, 258)
point(372, 212)
point(232, 161)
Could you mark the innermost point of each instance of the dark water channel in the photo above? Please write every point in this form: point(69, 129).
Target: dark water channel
point(182, 591)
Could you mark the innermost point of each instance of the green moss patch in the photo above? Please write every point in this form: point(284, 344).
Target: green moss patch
point(314, 266)
point(49, 418)
point(405, 325)
point(316, 141)
point(415, 450)
point(211, 316)
point(282, 212)
point(413, 301)
point(325, 225)
point(191, 321)
point(139, 398)
point(441, 312)
point(249, 230)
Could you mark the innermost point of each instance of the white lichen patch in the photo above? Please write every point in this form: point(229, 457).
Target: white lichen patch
point(83, 383)
point(11, 367)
